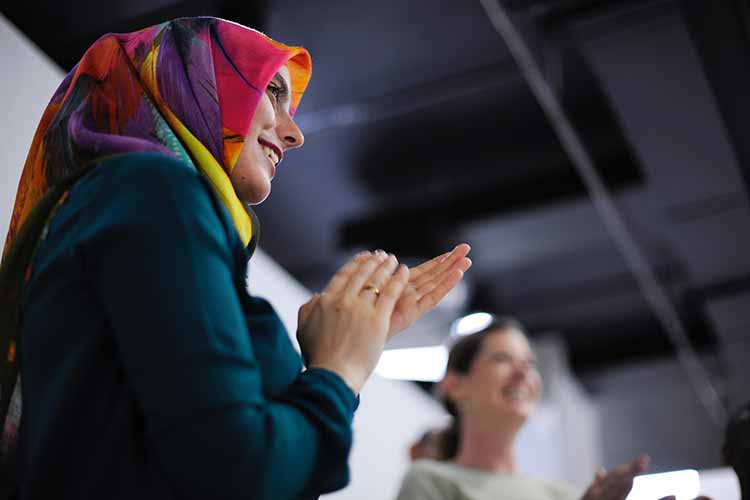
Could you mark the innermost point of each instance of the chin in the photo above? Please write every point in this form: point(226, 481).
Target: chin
point(527, 413)
point(521, 412)
point(255, 196)
point(257, 200)
point(251, 183)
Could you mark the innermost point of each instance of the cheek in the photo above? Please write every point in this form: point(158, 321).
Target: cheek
point(535, 381)
point(248, 180)
point(244, 163)
point(264, 116)
point(489, 382)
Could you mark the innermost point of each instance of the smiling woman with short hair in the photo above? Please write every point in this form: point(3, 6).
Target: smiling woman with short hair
point(491, 387)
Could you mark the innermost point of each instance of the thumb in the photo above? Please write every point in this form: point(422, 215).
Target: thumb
point(600, 473)
point(306, 309)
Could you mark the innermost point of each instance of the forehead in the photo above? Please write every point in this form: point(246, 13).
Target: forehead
point(509, 340)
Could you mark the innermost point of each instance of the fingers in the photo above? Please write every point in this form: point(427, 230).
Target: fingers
point(439, 263)
point(380, 277)
point(459, 251)
point(640, 464)
point(439, 290)
point(363, 274)
point(632, 468)
point(619, 481)
point(391, 292)
point(341, 278)
point(600, 474)
point(455, 260)
point(441, 277)
point(427, 266)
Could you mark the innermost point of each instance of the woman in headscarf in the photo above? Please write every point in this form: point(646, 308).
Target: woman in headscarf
point(132, 356)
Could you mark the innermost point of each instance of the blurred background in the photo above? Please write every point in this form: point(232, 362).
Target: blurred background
point(422, 132)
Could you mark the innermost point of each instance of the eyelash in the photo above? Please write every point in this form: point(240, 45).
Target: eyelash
point(533, 363)
point(275, 91)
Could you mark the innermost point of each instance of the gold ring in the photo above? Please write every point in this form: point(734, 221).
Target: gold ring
point(374, 289)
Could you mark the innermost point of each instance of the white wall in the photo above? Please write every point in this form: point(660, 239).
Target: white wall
point(392, 414)
point(576, 432)
point(29, 79)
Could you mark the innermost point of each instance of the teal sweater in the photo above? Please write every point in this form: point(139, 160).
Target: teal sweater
point(148, 371)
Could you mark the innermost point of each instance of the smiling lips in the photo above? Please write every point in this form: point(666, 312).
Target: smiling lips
point(516, 393)
point(272, 152)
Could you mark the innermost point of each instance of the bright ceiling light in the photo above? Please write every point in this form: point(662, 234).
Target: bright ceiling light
point(683, 484)
point(425, 364)
point(471, 323)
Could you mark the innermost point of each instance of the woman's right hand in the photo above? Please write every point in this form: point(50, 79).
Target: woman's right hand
point(617, 483)
point(345, 328)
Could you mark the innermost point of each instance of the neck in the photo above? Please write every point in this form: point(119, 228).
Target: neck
point(487, 446)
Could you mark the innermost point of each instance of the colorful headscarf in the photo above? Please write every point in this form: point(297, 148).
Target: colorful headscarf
point(187, 89)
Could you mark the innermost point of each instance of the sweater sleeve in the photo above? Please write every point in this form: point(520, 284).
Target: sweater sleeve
point(159, 254)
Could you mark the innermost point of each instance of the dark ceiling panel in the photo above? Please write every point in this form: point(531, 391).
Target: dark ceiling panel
point(64, 30)
point(363, 50)
point(421, 229)
point(721, 31)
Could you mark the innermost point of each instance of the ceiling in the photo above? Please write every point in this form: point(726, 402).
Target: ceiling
point(421, 132)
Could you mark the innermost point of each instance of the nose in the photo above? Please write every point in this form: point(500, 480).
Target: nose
point(289, 133)
point(522, 369)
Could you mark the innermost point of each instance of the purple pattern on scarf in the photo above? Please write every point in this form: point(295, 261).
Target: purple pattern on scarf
point(188, 86)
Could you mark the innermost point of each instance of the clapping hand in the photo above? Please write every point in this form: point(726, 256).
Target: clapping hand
point(370, 299)
point(428, 284)
point(617, 483)
point(345, 328)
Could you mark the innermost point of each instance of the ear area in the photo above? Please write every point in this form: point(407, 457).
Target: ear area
point(451, 387)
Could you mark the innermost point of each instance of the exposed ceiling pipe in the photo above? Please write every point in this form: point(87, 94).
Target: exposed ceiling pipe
point(654, 292)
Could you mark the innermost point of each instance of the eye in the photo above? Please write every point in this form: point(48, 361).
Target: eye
point(275, 91)
point(501, 357)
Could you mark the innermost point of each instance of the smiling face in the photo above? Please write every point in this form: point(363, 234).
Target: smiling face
point(503, 383)
point(272, 132)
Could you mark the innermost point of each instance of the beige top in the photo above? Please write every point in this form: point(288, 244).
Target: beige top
point(430, 480)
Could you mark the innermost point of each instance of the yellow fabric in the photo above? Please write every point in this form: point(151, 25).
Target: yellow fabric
point(203, 159)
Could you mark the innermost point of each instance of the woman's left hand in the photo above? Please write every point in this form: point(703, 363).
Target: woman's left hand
point(617, 483)
point(428, 284)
